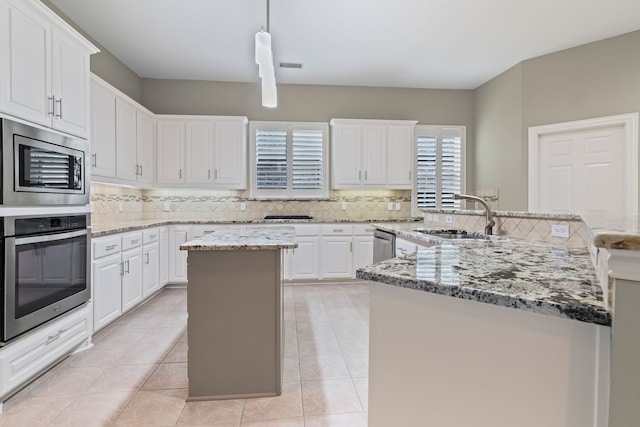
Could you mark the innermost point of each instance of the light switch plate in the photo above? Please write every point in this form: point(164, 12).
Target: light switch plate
point(243, 206)
point(166, 206)
point(398, 206)
point(558, 230)
point(344, 206)
point(390, 206)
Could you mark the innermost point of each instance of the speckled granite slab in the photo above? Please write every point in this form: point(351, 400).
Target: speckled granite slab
point(536, 277)
point(614, 232)
point(245, 238)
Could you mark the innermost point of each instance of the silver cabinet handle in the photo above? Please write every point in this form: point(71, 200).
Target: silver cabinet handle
point(111, 247)
point(215, 175)
point(140, 170)
point(59, 101)
point(365, 175)
point(147, 258)
point(350, 246)
point(122, 268)
point(180, 174)
point(338, 230)
point(359, 175)
point(52, 338)
point(409, 174)
point(134, 241)
point(209, 174)
point(128, 267)
point(52, 105)
point(94, 160)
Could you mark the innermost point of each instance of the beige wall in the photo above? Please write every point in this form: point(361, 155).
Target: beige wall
point(105, 65)
point(593, 80)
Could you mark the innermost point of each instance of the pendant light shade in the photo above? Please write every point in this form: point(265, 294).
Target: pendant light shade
point(266, 71)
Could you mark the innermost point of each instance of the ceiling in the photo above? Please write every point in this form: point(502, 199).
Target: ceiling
point(453, 44)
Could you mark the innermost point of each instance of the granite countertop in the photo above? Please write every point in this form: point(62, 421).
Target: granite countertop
point(107, 229)
point(245, 238)
point(614, 232)
point(532, 276)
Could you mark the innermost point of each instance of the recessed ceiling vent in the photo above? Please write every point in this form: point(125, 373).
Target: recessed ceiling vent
point(290, 65)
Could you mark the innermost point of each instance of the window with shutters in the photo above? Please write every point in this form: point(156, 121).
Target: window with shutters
point(439, 166)
point(289, 160)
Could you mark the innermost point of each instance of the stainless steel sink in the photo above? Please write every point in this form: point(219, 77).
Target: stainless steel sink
point(456, 234)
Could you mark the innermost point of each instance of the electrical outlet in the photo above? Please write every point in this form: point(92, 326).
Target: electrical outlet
point(558, 230)
point(120, 207)
point(243, 206)
point(390, 206)
point(166, 206)
point(344, 206)
point(398, 206)
point(448, 219)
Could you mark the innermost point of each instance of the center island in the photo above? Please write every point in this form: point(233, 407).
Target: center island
point(234, 303)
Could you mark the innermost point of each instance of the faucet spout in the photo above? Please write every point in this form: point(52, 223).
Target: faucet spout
point(488, 228)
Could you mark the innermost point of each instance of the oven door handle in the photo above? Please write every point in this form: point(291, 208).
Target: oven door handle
point(49, 237)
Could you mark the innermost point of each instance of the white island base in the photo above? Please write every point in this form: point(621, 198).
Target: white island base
point(441, 361)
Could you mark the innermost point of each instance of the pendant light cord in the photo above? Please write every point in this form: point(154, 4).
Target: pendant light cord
point(268, 1)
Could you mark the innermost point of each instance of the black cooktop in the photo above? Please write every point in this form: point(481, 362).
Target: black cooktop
point(295, 217)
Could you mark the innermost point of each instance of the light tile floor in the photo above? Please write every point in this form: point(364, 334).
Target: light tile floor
point(136, 372)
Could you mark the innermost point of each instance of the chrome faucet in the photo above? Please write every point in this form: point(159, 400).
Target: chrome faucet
point(488, 228)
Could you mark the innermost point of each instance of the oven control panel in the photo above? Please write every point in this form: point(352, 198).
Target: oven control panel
point(24, 226)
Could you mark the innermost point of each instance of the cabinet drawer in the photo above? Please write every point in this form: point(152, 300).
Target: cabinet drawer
point(151, 235)
point(106, 246)
point(131, 240)
point(337, 230)
point(307, 230)
point(25, 358)
point(363, 229)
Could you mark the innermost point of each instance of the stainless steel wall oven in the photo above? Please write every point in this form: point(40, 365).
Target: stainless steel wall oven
point(46, 269)
point(41, 167)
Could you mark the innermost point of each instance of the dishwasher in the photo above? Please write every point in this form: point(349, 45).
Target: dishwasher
point(384, 245)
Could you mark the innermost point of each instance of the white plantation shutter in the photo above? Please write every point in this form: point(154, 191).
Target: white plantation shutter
point(439, 166)
point(288, 160)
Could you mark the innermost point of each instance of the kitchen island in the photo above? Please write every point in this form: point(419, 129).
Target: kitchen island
point(234, 303)
point(487, 333)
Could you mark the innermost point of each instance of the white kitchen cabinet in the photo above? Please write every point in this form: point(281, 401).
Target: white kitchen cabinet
point(126, 166)
point(164, 256)
point(44, 69)
point(103, 129)
point(178, 234)
point(145, 138)
point(337, 257)
point(401, 156)
point(150, 262)
point(199, 147)
point(170, 151)
point(303, 260)
point(132, 278)
point(362, 246)
point(202, 151)
point(107, 290)
point(371, 153)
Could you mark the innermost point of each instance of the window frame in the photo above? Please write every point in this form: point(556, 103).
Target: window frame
point(439, 131)
point(289, 193)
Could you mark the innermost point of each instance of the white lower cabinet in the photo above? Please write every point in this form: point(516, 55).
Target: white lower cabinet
point(178, 234)
point(164, 256)
point(131, 278)
point(29, 355)
point(337, 257)
point(362, 247)
point(107, 290)
point(150, 262)
point(302, 263)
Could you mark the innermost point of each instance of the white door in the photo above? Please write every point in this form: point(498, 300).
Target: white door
point(199, 145)
point(363, 254)
point(170, 152)
point(304, 260)
point(230, 155)
point(103, 130)
point(132, 279)
point(582, 169)
point(346, 146)
point(177, 258)
point(144, 146)
point(70, 80)
point(337, 257)
point(125, 140)
point(150, 270)
point(400, 149)
point(25, 63)
point(374, 154)
point(107, 290)
point(164, 256)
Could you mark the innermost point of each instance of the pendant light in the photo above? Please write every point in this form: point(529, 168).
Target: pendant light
point(266, 71)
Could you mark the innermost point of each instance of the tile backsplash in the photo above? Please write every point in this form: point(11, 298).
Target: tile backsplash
point(118, 204)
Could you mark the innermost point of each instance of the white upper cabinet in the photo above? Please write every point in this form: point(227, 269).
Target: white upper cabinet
point(372, 154)
point(103, 129)
point(201, 151)
point(44, 68)
point(122, 136)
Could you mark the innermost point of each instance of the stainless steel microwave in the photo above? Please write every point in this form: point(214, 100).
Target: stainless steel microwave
point(41, 167)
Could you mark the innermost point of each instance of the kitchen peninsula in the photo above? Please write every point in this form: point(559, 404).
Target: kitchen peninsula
point(234, 303)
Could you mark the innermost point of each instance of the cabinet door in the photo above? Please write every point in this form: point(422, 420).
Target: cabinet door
point(103, 130)
point(170, 152)
point(304, 259)
point(363, 253)
point(347, 156)
point(132, 279)
point(177, 258)
point(70, 80)
point(401, 156)
point(25, 63)
point(164, 256)
point(337, 257)
point(144, 146)
point(107, 290)
point(230, 154)
point(199, 147)
point(150, 270)
point(125, 140)
point(374, 155)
